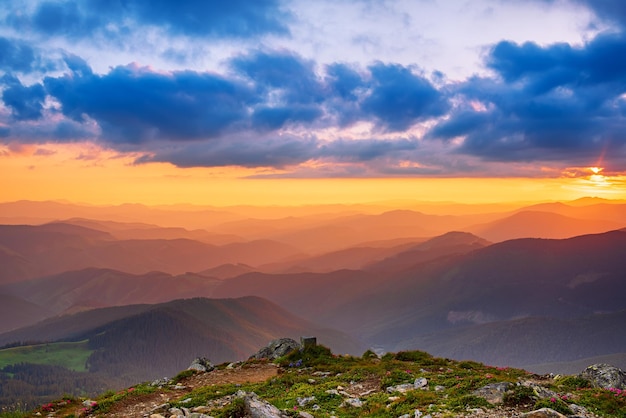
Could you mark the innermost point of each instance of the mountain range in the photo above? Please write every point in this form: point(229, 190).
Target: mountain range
point(537, 285)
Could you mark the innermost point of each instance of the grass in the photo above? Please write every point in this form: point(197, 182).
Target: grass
point(322, 377)
point(106, 401)
point(357, 374)
point(71, 355)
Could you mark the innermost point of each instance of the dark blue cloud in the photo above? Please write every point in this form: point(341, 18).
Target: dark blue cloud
point(204, 18)
point(278, 152)
point(259, 152)
point(551, 103)
point(16, 56)
point(364, 150)
point(613, 10)
point(400, 98)
point(63, 18)
point(273, 118)
point(344, 81)
point(26, 103)
point(288, 75)
point(135, 105)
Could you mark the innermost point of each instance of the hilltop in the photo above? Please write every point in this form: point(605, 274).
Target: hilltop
point(313, 382)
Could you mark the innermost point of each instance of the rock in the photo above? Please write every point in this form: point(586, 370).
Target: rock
point(277, 348)
point(303, 414)
point(156, 416)
point(162, 407)
point(421, 383)
point(176, 411)
point(306, 400)
point(604, 376)
point(201, 364)
point(493, 392)
point(354, 402)
point(543, 413)
point(88, 403)
point(306, 342)
point(416, 414)
point(578, 410)
point(255, 407)
point(540, 391)
point(439, 388)
point(401, 388)
point(160, 382)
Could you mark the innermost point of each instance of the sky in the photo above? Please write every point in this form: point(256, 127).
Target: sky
point(294, 101)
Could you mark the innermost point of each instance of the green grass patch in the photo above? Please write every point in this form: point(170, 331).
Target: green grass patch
point(603, 402)
point(106, 401)
point(71, 355)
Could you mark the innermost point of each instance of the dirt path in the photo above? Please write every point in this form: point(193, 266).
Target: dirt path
point(142, 405)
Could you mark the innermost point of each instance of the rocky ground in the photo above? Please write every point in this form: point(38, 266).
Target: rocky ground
point(312, 382)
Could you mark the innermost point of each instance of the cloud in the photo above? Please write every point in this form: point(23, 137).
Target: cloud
point(548, 103)
point(277, 152)
point(198, 18)
point(399, 98)
point(135, 105)
point(280, 152)
point(284, 72)
point(613, 10)
point(16, 56)
point(26, 103)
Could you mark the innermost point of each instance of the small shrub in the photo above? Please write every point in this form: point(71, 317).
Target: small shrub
point(183, 375)
point(309, 357)
point(369, 354)
point(602, 402)
point(520, 395)
point(420, 357)
point(571, 383)
point(236, 409)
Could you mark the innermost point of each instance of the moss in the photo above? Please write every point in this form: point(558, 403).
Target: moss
point(571, 383)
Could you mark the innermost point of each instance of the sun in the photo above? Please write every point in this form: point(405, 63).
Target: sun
point(596, 170)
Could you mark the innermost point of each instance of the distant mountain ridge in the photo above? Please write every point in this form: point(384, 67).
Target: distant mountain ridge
point(143, 342)
point(34, 251)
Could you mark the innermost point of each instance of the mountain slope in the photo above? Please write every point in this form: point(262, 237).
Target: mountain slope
point(528, 341)
point(36, 251)
point(564, 279)
point(536, 224)
point(97, 288)
point(143, 342)
point(16, 313)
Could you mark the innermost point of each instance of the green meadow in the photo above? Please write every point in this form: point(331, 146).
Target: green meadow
point(71, 355)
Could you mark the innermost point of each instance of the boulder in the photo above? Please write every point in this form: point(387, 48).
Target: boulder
point(604, 376)
point(201, 364)
point(256, 407)
point(277, 348)
point(493, 392)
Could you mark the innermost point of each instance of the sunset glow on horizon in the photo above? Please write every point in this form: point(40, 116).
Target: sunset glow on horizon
point(82, 173)
point(296, 103)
